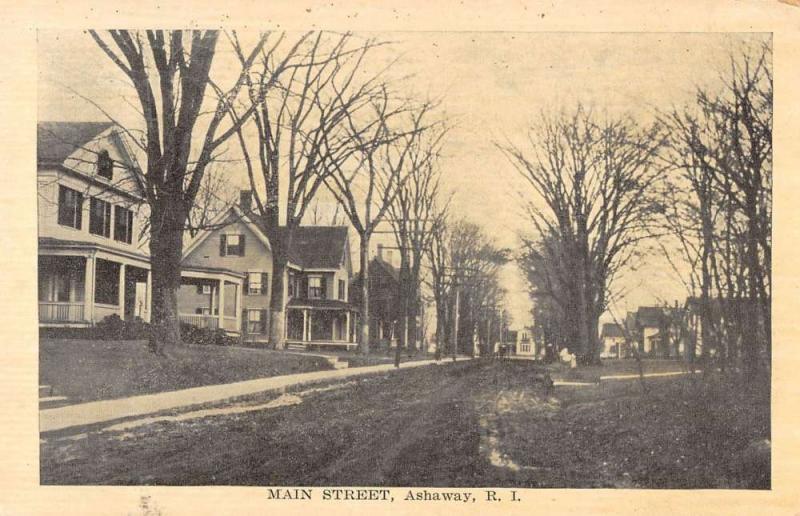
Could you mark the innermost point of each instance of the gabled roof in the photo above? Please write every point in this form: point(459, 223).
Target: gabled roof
point(650, 316)
point(56, 141)
point(318, 247)
point(313, 247)
point(219, 221)
point(612, 330)
point(390, 269)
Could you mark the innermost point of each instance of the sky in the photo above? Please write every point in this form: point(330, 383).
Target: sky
point(492, 87)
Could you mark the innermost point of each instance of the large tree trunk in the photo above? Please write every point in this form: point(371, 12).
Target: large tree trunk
point(750, 309)
point(166, 249)
point(413, 312)
point(277, 307)
point(363, 324)
point(441, 325)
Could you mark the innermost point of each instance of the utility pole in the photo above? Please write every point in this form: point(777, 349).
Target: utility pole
point(455, 321)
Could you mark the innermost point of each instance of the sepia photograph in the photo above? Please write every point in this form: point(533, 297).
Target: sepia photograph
point(431, 260)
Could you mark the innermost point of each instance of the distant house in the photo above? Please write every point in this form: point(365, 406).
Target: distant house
point(613, 338)
point(650, 320)
point(319, 312)
point(384, 300)
point(721, 312)
point(524, 344)
point(517, 342)
point(93, 259)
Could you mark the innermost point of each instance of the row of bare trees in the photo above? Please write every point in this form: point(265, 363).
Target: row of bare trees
point(465, 264)
point(696, 182)
point(308, 115)
point(590, 178)
point(719, 210)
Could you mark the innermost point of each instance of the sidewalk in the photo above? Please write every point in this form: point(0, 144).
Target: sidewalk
point(109, 410)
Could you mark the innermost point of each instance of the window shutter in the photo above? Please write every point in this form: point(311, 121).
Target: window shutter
point(263, 321)
point(241, 245)
point(264, 279)
point(199, 289)
point(130, 226)
point(222, 245)
point(324, 287)
point(247, 284)
point(79, 210)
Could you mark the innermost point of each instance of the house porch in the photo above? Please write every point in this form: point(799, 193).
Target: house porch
point(80, 287)
point(211, 299)
point(318, 327)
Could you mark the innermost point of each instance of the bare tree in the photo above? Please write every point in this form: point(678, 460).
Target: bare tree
point(367, 184)
point(171, 76)
point(301, 135)
point(412, 215)
point(475, 261)
point(721, 200)
point(439, 281)
point(590, 182)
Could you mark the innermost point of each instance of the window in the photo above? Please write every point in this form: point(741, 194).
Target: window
point(316, 287)
point(99, 217)
point(202, 311)
point(231, 245)
point(62, 288)
point(123, 224)
point(256, 321)
point(105, 165)
point(106, 291)
point(341, 290)
point(256, 283)
point(204, 289)
point(70, 207)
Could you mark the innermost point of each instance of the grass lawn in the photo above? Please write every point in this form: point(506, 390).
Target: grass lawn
point(480, 423)
point(88, 370)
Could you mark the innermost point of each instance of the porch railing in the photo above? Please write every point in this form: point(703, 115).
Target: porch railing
point(201, 321)
point(60, 312)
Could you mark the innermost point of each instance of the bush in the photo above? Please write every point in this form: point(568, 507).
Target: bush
point(206, 336)
point(111, 327)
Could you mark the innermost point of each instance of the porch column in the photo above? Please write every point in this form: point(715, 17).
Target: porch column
point(121, 291)
point(305, 325)
point(148, 297)
point(239, 306)
point(88, 288)
point(347, 325)
point(221, 302)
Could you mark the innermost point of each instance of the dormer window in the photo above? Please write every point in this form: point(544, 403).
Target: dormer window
point(105, 165)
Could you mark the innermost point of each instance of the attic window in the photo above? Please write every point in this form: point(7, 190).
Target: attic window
point(105, 165)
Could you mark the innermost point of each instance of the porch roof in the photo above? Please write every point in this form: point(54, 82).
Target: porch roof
point(58, 243)
point(212, 270)
point(321, 304)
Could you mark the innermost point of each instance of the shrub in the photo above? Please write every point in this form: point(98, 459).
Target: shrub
point(113, 327)
point(206, 336)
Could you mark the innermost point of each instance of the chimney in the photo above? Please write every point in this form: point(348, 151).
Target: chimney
point(246, 200)
point(380, 251)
